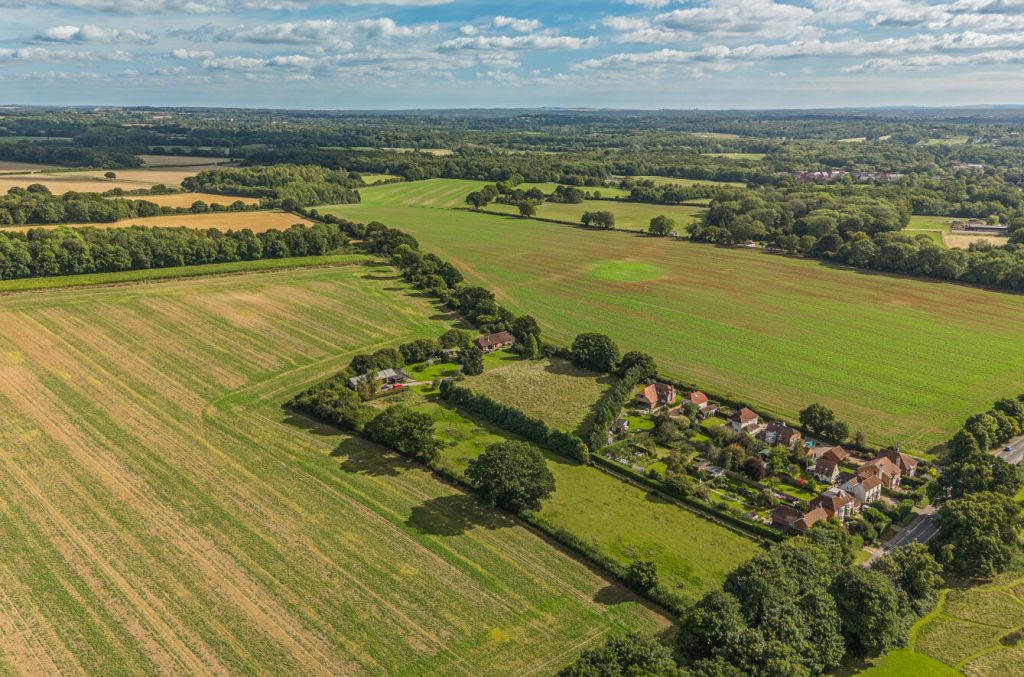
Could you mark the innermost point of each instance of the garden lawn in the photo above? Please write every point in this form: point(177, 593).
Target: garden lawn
point(552, 390)
point(161, 513)
point(886, 352)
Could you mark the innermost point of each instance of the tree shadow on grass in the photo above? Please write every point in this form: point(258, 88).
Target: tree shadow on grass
point(309, 425)
point(363, 458)
point(455, 515)
point(378, 276)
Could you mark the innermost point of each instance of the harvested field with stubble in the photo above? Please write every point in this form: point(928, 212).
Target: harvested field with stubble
point(187, 199)
point(258, 221)
point(902, 359)
point(161, 513)
point(93, 181)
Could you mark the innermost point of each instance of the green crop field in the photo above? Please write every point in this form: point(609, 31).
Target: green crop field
point(899, 358)
point(161, 513)
point(628, 215)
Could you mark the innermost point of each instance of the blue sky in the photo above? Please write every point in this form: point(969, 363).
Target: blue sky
point(344, 54)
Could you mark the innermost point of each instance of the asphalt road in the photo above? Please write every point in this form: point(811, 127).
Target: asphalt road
point(1016, 452)
point(921, 530)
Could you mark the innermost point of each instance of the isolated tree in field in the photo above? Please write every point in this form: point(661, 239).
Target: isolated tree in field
point(110, 176)
point(472, 360)
point(977, 535)
point(821, 420)
point(624, 655)
point(661, 225)
point(595, 351)
point(512, 475)
point(527, 208)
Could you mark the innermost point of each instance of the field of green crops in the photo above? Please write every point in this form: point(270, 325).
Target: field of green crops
point(160, 513)
point(901, 359)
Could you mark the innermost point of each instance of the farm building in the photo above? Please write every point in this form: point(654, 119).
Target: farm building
point(385, 376)
point(491, 342)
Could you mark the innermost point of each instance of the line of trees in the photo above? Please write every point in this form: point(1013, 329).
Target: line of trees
point(71, 251)
point(36, 205)
point(284, 185)
point(857, 230)
point(979, 520)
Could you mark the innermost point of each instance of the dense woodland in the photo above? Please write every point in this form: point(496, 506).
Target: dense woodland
point(73, 251)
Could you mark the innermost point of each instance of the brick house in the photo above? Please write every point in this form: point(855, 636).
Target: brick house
point(656, 395)
point(836, 503)
point(743, 420)
point(884, 469)
point(491, 342)
point(907, 464)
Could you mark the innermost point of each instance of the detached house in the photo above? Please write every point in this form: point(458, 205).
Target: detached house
point(884, 469)
point(836, 503)
point(697, 399)
point(656, 395)
point(906, 464)
point(780, 433)
point(826, 470)
point(491, 342)
point(864, 489)
point(744, 420)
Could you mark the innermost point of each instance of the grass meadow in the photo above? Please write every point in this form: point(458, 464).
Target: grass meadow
point(553, 390)
point(973, 631)
point(161, 513)
point(901, 359)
